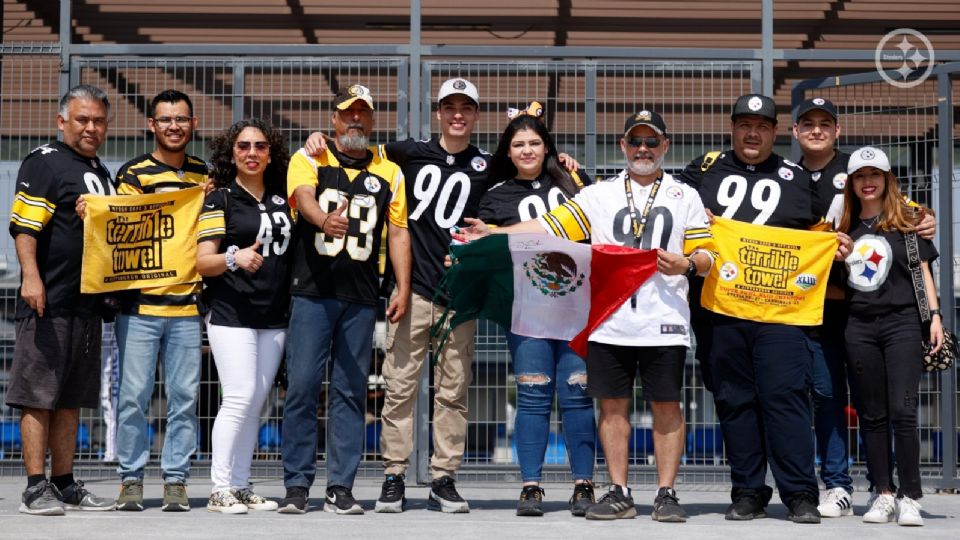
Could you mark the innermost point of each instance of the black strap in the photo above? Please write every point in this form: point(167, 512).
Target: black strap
point(916, 272)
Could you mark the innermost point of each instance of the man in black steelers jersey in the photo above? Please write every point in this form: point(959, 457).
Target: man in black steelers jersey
point(760, 392)
point(56, 359)
point(344, 197)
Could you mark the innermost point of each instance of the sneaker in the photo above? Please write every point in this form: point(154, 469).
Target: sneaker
point(883, 510)
point(42, 499)
point(531, 500)
point(747, 504)
point(666, 507)
point(803, 509)
point(131, 496)
point(872, 498)
point(444, 497)
point(295, 502)
point(225, 502)
point(251, 500)
point(615, 504)
point(582, 499)
point(908, 512)
point(175, 497)
point(392, 498)
point(836, 503)
point(340, 501)
point(77, 497)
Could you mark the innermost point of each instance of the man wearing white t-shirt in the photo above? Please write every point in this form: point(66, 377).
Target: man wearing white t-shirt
point(646, 208)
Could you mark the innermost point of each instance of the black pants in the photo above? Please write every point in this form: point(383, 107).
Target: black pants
point(884, 368)
point(762, 375)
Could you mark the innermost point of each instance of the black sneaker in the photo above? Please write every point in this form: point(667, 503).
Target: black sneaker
point(531, 499)
point(666, 507)
point(340, 501)
point(77, 497)
point(391, 499)
point(747, 504)
point(42, 499)
point(803, 509)
point(444, 497)
point(295, 502)
point(615, 504)
point(582, 498)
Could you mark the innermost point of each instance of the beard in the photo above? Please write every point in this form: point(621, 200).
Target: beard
point(353, 142)
point(645, 169)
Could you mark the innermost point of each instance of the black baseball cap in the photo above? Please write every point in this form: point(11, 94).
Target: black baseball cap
point(346, 96)
point(814, 104)
point(646, 118)
point(756, 105)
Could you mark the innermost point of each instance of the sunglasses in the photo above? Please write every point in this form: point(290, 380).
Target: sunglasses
point(260, 146)
point(649, 142)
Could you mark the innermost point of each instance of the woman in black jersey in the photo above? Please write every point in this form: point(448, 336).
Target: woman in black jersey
point(243, 234)
point(884, 332)
point(527, 181)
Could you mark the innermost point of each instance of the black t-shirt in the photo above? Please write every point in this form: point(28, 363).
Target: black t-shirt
point(776, 192)
point(878, 279)
point(828, 182)
point(513, 201)
point(240, 298)
point(442, 189)
point(50, 179)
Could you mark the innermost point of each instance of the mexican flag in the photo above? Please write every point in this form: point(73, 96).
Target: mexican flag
point(542, 286)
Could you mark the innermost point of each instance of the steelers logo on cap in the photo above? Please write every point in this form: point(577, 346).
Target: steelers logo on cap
point(867, 154)
point(818, 101)
point(755, 103)
point(644, 116)
point(459, 84)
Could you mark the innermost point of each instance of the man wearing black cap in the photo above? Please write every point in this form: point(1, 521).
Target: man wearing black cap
point(760, 392)
point(344, 198)
point(641, 207)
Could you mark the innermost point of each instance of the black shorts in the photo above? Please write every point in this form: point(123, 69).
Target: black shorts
point(56, 363)
point(611, 370)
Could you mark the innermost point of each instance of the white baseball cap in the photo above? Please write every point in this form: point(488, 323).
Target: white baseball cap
point(458, 86)
point(868, 156)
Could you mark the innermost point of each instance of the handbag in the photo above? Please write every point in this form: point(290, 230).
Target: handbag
point(944, 358)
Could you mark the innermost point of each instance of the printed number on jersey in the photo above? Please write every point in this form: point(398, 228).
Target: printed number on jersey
point(429, 185)
point(532, 206)
point(659, 225)
point(266, 233)
point(95, 185)
point(359, 243)
point(763, 196)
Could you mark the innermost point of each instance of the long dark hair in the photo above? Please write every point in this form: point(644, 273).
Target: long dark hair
point(502, 168)
point(224, 170)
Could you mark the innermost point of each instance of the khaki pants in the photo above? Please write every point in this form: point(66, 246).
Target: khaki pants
point(407, 344)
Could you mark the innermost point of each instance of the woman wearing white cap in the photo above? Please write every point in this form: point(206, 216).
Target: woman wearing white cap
point(884, 331)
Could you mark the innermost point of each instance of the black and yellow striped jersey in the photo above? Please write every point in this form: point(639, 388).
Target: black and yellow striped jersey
point(50, 179)
point(146, 174)
point(345, 268)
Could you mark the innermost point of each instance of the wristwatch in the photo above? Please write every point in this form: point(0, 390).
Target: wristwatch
point(691, 268)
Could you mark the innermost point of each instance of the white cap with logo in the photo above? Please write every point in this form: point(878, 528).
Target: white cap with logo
point(868, 156)
point(458, 86)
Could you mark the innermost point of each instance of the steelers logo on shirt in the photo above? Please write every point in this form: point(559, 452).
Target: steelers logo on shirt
point(729, 271)
point(372, 184)
point(785, 173)
point(675, 192)
point(869, 263)
point(277, 199)
point(479, 164)
point(840, 180)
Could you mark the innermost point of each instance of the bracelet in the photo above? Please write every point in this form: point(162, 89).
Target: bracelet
point(324, 222)
point(231, 258)
point(691, 268)
point(935, 312)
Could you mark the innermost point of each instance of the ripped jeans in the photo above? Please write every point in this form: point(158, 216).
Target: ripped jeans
point(538, 365)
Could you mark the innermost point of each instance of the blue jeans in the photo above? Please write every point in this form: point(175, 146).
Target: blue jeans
point(141, 338)
point(316, 325)
point(544, 362)
point(829, 416)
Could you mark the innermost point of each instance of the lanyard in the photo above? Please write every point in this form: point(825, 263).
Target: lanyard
point(638, 225)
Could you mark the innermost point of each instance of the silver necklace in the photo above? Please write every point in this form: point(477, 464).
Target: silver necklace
point(871, 222)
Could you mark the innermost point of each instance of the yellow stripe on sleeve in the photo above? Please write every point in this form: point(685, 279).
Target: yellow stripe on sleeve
point(567, 221)
point(31, 212)
point(211, 224)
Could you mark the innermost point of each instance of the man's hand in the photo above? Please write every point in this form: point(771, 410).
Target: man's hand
point(844, 246)
point(567, 162)
point(927, 228)
point(671, 264)
point(249, 258)
point(335, 225)
point(81, 207)
point(33, 293)
point(398, 307)
point(316, 144)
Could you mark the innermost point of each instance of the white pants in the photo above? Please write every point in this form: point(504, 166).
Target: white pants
point(247, 362)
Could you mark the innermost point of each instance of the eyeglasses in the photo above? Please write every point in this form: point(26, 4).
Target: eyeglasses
point(649, 142)
point(165, 121)
point(260, 146)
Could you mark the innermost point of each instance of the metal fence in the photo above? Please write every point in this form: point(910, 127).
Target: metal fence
point(586, 102)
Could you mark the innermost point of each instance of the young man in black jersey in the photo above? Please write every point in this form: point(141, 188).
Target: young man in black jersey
point(56, 359)
point(345, 197)
point(760, 393)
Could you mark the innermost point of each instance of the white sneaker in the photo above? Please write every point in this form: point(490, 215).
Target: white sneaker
point(224, 502)
point(253, 501)
point(908, 512)
point(836, 503)
point(872, 498)
point(883, 510)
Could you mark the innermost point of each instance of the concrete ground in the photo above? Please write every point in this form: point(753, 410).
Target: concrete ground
point(492, 514)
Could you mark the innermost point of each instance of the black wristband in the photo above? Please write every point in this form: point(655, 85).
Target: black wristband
point(691, 268)
point(935, 312)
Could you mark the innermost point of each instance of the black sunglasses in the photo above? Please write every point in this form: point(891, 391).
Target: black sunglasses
point(259, 145)
point(649, 142)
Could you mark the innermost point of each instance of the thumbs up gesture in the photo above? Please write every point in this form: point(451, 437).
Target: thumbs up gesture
point(335, 224)
point(249, 258)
